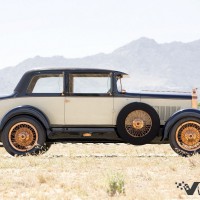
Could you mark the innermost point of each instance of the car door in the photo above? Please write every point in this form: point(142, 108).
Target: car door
point(90, 100)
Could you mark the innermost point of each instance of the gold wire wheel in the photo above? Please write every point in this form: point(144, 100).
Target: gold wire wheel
point(138, 123)
point(23, 136)
point(188, 136)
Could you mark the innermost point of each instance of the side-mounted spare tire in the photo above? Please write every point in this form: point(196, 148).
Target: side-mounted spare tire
point(138, 123)
point(23, 135)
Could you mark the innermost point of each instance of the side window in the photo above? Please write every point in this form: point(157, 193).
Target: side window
point(46, 83)
point(90, 84)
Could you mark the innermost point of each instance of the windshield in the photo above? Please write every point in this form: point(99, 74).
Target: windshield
point(122, 83)
point(119, 83)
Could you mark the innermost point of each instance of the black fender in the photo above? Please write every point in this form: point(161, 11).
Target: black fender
point(25, 110)
point(176, 117)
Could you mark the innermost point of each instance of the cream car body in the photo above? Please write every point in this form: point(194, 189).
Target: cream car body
point(83, 110)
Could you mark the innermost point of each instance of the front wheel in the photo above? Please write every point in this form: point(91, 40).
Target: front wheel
point(23, 135)
point(185, 136)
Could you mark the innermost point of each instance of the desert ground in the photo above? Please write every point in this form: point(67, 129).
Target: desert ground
point(90, 171)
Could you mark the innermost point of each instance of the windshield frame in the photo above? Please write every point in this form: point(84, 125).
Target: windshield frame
point(118, 77)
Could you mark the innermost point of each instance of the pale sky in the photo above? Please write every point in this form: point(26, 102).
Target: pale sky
point(78, 28)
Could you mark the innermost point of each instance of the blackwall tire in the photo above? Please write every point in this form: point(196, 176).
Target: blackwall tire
point(23, 135)
point(185, 136)
point(138, 123)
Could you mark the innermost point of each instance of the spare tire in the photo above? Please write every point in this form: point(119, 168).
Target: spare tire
point(138, 123)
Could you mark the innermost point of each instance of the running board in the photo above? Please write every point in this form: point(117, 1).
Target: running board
point(82, 133)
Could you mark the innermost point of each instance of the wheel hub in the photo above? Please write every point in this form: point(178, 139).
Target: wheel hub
point(138, 123)
point(23, 138)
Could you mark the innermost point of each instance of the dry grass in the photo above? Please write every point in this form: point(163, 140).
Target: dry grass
point(82, 171)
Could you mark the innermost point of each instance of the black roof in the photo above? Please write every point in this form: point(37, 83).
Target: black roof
point(95, 70)
point(23, 83)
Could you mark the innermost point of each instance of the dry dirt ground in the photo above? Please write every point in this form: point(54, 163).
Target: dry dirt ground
point(84, 171)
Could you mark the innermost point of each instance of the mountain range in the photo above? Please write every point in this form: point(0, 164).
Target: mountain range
point(152, 66)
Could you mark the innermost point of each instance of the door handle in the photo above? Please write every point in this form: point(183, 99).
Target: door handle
point(67, 100)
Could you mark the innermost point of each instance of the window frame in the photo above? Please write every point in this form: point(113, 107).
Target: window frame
point(89, 94)
point(47, 94)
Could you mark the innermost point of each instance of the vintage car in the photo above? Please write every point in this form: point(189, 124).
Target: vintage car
point(89, 105)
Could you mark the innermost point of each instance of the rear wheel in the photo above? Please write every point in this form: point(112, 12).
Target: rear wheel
point(23, 135)
point(185, 137)
point(138, 123)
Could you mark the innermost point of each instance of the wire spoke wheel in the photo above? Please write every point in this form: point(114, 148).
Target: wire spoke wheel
point(138, 123)
point(188, 136)
point(23, 136)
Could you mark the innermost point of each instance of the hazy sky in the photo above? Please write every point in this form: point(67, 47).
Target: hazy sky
point(77, 28)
